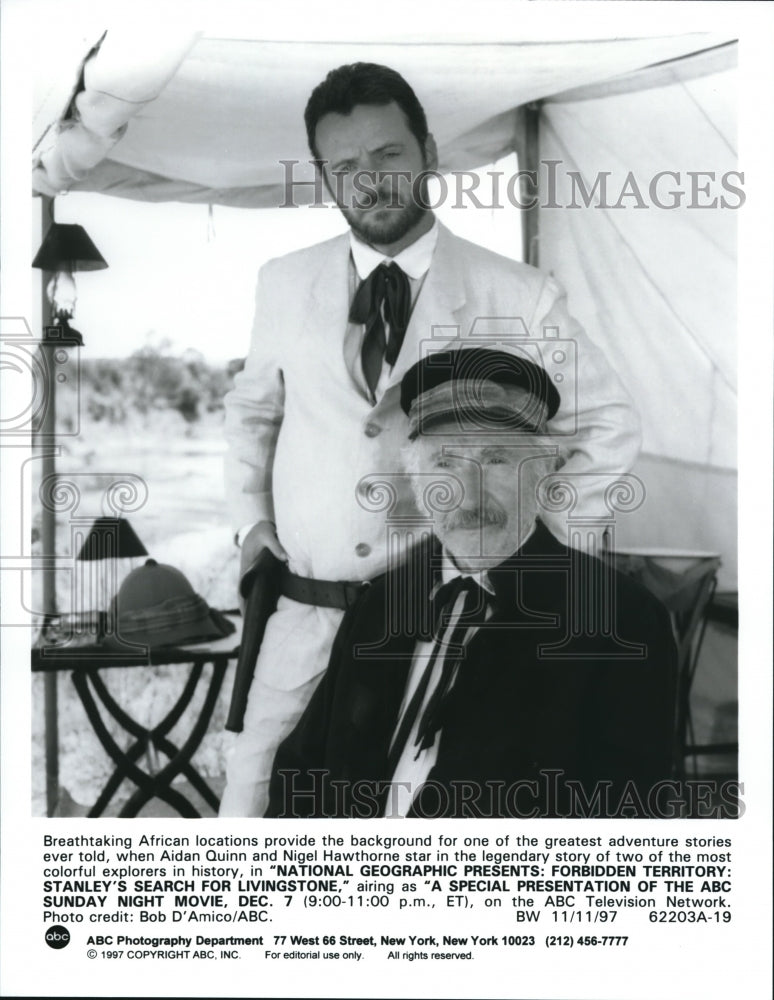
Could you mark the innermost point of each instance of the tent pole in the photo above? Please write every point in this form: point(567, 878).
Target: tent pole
point(530, 230)
point(48, 530)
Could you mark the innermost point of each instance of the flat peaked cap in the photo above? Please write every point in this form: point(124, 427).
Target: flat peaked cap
point(490, 388)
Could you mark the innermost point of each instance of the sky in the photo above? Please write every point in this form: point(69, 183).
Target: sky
point(187, 274)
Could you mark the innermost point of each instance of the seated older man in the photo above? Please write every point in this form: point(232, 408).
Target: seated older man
point(495, 672)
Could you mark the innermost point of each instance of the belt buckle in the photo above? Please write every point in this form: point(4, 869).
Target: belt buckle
point(353, 590)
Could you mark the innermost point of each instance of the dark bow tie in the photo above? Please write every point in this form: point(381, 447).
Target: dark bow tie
point(383, 297)
point(472, 614)
point(443, 601)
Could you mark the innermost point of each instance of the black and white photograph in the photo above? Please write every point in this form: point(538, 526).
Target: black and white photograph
point(386, 435)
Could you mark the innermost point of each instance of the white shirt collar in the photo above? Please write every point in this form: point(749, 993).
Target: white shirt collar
point(450, 571)
point(415, 259)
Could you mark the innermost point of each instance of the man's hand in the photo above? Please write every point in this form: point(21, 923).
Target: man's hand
point(262, 535)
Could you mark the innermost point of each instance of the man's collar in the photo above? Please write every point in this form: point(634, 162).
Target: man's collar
point(449, 572)
point(415, 259)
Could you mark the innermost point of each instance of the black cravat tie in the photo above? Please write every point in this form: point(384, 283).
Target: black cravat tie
point(448, 643)
point(384, 296)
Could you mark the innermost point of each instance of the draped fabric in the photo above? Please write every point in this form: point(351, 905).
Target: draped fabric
point(655, 286)
point(198, 118)
point(121, 75)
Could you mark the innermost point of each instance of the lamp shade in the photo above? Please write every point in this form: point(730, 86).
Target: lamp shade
point(68, 247)
point(111, 538)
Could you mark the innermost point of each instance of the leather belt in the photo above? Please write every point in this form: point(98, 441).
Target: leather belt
point(340, 594)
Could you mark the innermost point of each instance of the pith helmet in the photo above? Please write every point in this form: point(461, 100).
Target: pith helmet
point(157, 606)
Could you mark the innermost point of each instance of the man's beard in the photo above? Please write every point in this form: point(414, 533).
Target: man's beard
point(395, 221)
point(490, 514)
point(479, 536)
point(392, 226)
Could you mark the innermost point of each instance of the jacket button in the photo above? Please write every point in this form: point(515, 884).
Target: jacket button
point(372, 430)
point(361, 549)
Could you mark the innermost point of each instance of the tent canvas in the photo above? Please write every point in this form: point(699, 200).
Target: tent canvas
point(657, 285)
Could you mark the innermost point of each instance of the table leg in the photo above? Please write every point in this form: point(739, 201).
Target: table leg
point(160, 784)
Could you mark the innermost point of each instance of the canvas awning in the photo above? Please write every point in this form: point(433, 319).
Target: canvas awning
point(190, 117)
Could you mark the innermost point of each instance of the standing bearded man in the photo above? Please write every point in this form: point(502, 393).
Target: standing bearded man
point(317, 408)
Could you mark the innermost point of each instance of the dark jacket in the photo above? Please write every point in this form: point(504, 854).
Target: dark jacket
point(563, 704)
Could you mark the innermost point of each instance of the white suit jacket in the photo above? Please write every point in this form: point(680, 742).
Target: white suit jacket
point(307, 449)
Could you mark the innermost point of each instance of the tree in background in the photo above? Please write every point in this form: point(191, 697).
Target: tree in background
point(151, 379)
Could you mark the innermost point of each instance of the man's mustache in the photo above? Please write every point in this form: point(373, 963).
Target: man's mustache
point(489, 514)
point(379, 201)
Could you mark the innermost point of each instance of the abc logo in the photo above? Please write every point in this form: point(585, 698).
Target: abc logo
point(57, 936)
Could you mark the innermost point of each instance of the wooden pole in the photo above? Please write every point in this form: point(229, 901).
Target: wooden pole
point(48, 530)
point(530, 219)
